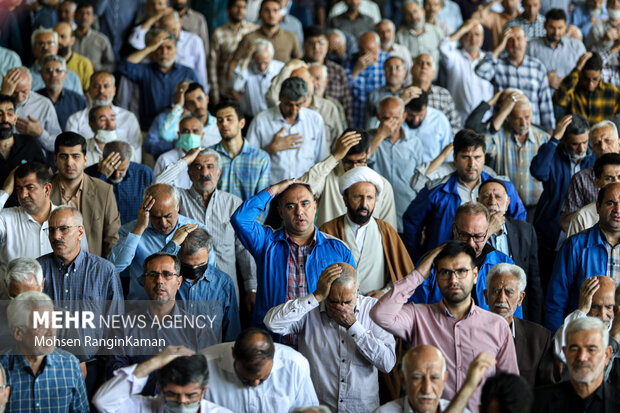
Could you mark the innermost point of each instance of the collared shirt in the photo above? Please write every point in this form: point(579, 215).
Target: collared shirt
point(365, 82)
point(41, 109)
point(67, 104)
point(338, 87)
point(349, 358)
point(583, 219)
point(426, 42)
point(165, 129)
point(466, 88)
point(156, 87)
point(451, 14)
point(128, 192)
point(466, 193)
point(459, 341)
point(288, 385)
point(366, 7)
point(72, 81)
point(561, 58)
point(613, 260)
point(246, 174)
point(285, 44)
point(581, 191)
point(115, 20)
point(216, 215)
point(331, 118)
point(531, 30)
point(509, 157)
point(93, 152)
point(499, 241)
point(8, 60)
point(96, 47)
point(297, 284)
point(292, 162)
point(595, 106)
point(372, 104)
point(356, 27)
point(131, 250)
point(75, 199)
point(434, 132)
point(57, 388)
point(254, 86)
point(122, 392)
point(127, 128)
point(182, 181)
point(396, 161)
point(402, 406)
point(224, 42)
point(195, 22)
point(530, 77)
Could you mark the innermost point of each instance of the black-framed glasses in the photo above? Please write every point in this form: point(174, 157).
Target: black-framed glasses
point(465, 236)
point(459, 273)
point(154, 275)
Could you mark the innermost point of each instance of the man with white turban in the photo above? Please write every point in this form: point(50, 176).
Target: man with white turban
point(378, 252)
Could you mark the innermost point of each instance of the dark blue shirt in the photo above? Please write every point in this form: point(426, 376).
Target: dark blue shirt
point(67, 104)
point(128, 192)
point(156, 87)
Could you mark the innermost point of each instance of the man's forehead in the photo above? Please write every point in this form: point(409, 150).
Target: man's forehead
point(505, 279)
point(602, 132)
point(160, 262)
point(587, 337)
point(493, 188)
point(458, 261)
point(7, 106)
point(472, 150)
point(204, 160)
point(298, 194)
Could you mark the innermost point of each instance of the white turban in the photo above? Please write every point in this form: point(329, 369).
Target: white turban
point(360, 174)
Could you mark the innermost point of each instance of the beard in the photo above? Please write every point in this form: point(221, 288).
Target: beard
point(63, 51)
point(6, 130)
point(357, 216)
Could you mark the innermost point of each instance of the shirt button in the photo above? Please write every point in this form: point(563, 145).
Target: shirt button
point(342, 341)
point(343, 360)
point(66, 291)
point(342, 380)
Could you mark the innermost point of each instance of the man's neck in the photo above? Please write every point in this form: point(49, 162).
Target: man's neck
point(164, 69)
point(395, 87)
point(425, 85)
point(71, 185)
point(206, 195)
point(99, 145)
point(35, 362)
point(43, 214)
point(301, 239)
point(68, 56)
point(397, 135)
point(54, 95)
point(613, 237)
point(530, 19)
point(270, 31)
point(585, 390)
point(554, 44)
point(459, 310)
point(236, 25)
point(68, 260)
point(470, 184)
point(517, 61)
point(352, 14)
point(521, 138)
point(159, 310)
point(474, 55)
point(5, 147)
point(81, 31)
point(233, 146)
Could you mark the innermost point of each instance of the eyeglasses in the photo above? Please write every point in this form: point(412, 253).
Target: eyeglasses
point(50, 43)
point(465, 236)
point(315, 42)
point(52, 70)
point(360, 162)
point(459, 273)
point(155, 275)
point(63, 228)
point(394, 68)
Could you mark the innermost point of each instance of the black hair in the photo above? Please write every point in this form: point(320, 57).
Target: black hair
point(7, 98)
point(193, 86)
point(466, 139)
point(185, 370)
point(555, 14)
point(601, 194)
point(251, 356)
point(42, 172)
point(511, 392)
point(453, 248)
point(232, 3)
point(418, 104)
point(177, 262)
point(69, 139)
point(578, 126)
point(595, 62)
point(314, 31)
point(606, 159)
point(362, 146)
point(280, 196)
point(493, 181)
point(229, 103)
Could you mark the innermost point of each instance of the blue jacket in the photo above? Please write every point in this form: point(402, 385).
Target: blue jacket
point(270, 250)
point(434, 208)
point(552, 166)
point(428, 292)
point(583, 255)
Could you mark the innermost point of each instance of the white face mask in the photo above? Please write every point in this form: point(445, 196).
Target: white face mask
point(613, 14)
point(105, 136)
point(174, 407)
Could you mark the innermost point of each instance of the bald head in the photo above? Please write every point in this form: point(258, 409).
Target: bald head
point(304, 73)
point(369, 43)
point(391, 104)
point(423, 354)
point(424, 370)
point(348, 276)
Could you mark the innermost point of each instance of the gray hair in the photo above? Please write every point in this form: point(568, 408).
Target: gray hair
point(55, 58)
point(19, 310)
point(155, 190)
point(605, 123)
point(294, 88)
point(348, 275)
point(262, 44)
point(390, 22)
point(101, 72)
point(311, 409)
point(195, 241)
point(376, 36)
point(40, 31)
point(216, 156)
point(338, 33)
point(322, 66)
point(121, 147)
point(25, 71)
point(387, 99)
point(75, 214)
point(506, 268)
point(21, 269)
point(588, 323)
point(522, 100)
point(153, 32)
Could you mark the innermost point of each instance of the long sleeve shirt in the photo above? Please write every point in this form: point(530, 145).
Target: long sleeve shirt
point(349, 358)
point(460, 341)
point(41, 109)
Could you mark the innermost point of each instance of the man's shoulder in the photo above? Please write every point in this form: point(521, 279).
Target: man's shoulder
point(532, 330)
point(37, 98)
point(80, 60)
point(97, 183)
point(103, 263)
point(518, 224)
point(140, 169)
point(289, 357)
point(254, 151)
point(436, 185)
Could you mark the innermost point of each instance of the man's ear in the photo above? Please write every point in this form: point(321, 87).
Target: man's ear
point(522, 296)
point(475, 270)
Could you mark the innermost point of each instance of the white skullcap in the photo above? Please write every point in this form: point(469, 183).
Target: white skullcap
point(360, 174)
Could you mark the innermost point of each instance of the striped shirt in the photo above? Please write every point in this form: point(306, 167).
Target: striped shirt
point(531, 30)
point(508, 157)
point(530, 77)
point(613, 262)
point(371, 78)
point(57, 388)
point(581, 191)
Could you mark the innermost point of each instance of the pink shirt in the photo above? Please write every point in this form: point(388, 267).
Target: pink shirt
point(459, 341)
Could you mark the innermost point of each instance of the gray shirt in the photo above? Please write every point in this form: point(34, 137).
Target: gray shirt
point(96, 47)
point(563, 58)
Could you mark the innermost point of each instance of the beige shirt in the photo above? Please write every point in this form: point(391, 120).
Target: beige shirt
point(285, 44)
point(583, 219)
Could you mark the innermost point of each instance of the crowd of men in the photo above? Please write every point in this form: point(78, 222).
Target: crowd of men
point(377, 205)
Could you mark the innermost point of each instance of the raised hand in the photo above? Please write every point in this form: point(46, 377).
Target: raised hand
point(110, 164)
point(344, 143)
point(182, 233)
point(324, 284)
point(142, 222)
point(588, 289)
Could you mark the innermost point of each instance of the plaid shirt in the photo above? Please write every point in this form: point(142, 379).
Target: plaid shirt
point(338, 87)
point(531, 30)
point(224, 42)
point(595, 106)
point(508, 157)
point(613, 260)
point(59, 387)
point(611, 72)
point(530, 77)
point(245, 175)
point(370, 79)
point(440, 99)
point(581, 191)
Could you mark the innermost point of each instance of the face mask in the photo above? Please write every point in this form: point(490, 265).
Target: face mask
point(189, 141)
point(596, 12)
point(174, 407)
point(613, 14)
point(105, 136)
point(190, 273)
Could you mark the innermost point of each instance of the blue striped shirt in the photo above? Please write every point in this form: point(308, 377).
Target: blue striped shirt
point(371, 78)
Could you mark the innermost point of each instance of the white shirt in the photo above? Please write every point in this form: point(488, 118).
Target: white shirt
point(402, 406)
point(467, 88)
point(287, 386)
point(254, 86)
point(345, 362)
point(127, 128)
point(170, 157)
point(41, 109)
point(359, 231)
point(291, 163)
point(121, 394)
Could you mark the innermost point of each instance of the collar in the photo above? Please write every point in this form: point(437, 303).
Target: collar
point(77, 262)
point(355, 227)
point(278, 116)
point(513, 136)
point(265, 34)
point(290, 240)
point(472, 308)
point(488, 248)
point(513, 327)
point(80, 188)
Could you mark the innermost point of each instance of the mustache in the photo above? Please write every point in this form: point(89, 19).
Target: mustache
point(205, 179)
point(57, 243)
point(501, 305)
